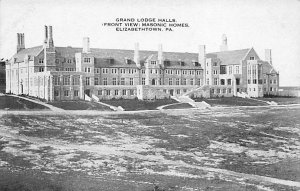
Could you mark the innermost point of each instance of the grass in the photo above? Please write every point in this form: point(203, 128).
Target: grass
point(142, 143)
point(15, 103)
point(282, 100)
point(79, 105)
point(230, 101)
point(179, 106)
point(134, 104)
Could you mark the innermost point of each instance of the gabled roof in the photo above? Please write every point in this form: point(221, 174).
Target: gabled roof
point(34, 51)
point(268, 68)
point(229, 57)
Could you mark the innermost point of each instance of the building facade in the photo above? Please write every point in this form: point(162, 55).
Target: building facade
point(2, 77)
point(68, 73)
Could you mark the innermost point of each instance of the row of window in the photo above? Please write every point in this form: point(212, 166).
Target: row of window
point(218, 91)
point(115, 92)
point(152, 71)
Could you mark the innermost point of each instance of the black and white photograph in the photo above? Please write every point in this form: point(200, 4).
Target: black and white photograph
point(140, 95)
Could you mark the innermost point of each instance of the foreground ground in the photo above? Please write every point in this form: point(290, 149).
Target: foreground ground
point(214, 149)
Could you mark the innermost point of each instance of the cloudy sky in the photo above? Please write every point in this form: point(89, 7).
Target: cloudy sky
point(262, 24)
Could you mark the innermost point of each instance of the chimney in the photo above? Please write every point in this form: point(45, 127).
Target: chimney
point(202, 61)
point(268, 55)
point(136, 57)
point(86, 45)
point(160, 55)
point(224, 46)
point(50, 37)
point(21, 43)
point(46, 35)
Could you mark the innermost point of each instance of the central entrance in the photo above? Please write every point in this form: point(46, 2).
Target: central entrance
point(87, 92)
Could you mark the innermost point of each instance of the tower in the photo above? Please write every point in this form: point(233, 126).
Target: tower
point(224, 46)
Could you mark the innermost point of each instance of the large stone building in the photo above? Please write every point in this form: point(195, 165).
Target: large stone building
point(68, 73)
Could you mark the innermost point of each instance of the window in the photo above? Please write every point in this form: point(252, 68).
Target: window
point(116, 92)
point(170, 81)
point(237, 81)
point(131, 81)
point(215, 81)
point(178, 91)
point(122, 81)
point(96, 81)
point(66, 93)
point(212, 91)
point(113, 70)
point(41, 60)
point(87, 69)
point(87, 60)
point(222, 82)
point(75, 81)
point(198, 72)
point(228, 81)
point(254, 81)
point(76, 93)
point(122, 71)
point(104, 70)
point(184, 81)
point(66, 80)
point(123, 92)
point(199, 82)
point(207, 81)
point(237, 69)
point(249, 81)
point(177, 81)
point(114, 81)
point(56, 61)
point(99, 92)
point(230, 69)
point(251, 57)
point(229, 90)
point(143, 71)
point(107, 92)
point(224, 91)
point(87, 81)
point(270, 81)
point(56, 80)
point(222, 69)
point(265, 81)
point(274, 82)
point(56, 93)
point(131, 92)
point(69, 61)
point(218, 90)
point(215, 64)
point(192, 82)
point(143, 81)
point(41, 69)
point(105, 81)
point(153, 62)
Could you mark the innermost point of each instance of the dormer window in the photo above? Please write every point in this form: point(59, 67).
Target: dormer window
point(153, 62)
point(41, 60)
point(69, 61)
point(181, 63)
point(195, 63)
point(167, 62)
point(128, 61)
point(251, 57)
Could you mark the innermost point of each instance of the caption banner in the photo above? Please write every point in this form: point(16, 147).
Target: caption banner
point(145, 24)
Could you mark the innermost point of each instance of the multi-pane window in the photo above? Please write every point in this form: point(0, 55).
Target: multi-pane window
point(99, 92)
point(184, 81)
point(97, 70)
point(170, 81)
point(69, 61)
point(66, 93)
point(228, 81)
point(105, 81)
point(230, 69)
point(87, 60)
point(123, 92)
point(113, 70)
point(177, 81)
point(218, 90)
point(222, 82)
point(131, 81)
point(178, 91)
point(224, 91)
point(87, 81)
point(96, 81)
point(41, 60)
point(229, 90)
point(153, 62)
point(107, 92)
point(143, 81)
point(75, 81)
point(105, 70)
point(274, 82)
point(56, 80)
point(199, 81)
point(122, 71)
point(114, 82)
point(251, 57)
point(215, 81)
point(222, 69)
point(66, 80)
point(122, 81)
point(116, 92)
point(198, 72)
point(237, 69)
point(192, 81)
point(131, 92)
point(76, 92)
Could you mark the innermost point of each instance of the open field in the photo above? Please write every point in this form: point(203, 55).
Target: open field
point(15, 103)
point(283, 100)
point(213, 149)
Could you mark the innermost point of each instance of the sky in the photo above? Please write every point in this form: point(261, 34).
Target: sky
point(261, 24)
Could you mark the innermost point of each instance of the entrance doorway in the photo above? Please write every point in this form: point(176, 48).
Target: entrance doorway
point(87, 92)
point(171, 92)
point(153, 82)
